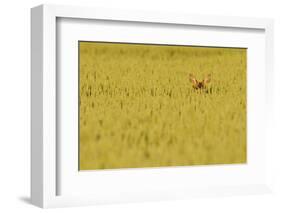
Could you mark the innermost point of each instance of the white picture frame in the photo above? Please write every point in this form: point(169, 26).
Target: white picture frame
point(45, 154)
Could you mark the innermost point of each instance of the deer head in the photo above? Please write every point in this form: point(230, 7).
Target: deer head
point(199, 84)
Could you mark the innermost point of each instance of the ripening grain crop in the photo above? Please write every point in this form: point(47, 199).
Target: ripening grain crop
point(138, 107)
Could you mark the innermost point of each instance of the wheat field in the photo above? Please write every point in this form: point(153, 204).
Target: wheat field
point(137, 107)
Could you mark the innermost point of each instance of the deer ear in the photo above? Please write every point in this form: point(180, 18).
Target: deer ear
point(192, 79)
point(207, 79)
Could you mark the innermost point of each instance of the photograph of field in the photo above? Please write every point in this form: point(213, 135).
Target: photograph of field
point(144, 105)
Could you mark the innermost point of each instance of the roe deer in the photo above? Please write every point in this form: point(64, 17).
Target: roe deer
point(199, 84)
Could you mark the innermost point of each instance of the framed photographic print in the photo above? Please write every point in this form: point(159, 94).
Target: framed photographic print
point(130, 106)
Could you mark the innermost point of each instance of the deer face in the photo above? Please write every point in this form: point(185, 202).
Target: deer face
point(199, 84)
